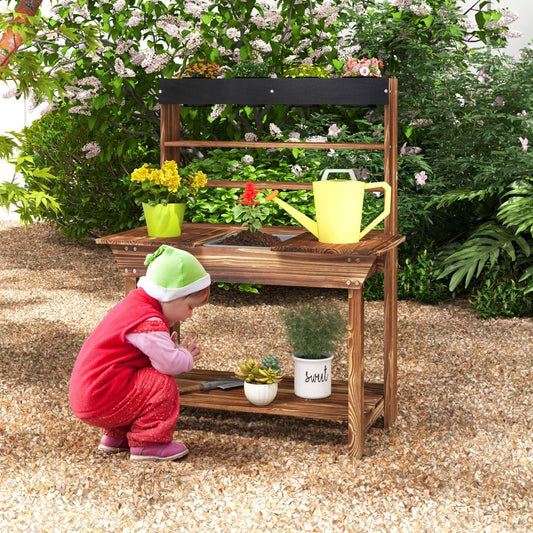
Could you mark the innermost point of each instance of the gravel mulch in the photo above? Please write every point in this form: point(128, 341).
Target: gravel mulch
point(459, 458)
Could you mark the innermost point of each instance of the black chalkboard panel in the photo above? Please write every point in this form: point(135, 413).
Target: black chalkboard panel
point(264, 91)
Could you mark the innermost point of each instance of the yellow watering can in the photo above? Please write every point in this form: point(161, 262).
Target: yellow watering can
point(339, 208)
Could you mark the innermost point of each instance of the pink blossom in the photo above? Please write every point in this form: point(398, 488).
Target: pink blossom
point(193, 8)
point(79, 110)
point(524, 142)
point(420, 10)
point(121, 69)
point(421, 177)
point(483, 77)
point(421, 122)
point(297, 170)
point(168, 25)
point(320, 52)
point(274, 130)
point(403, 4)
point(273, 18)
point(507, 17)
point(409, 150)
point(91, 80)
point(233, 33)
point(154, 62)
point(304, 45)
point(11, 93)
point(259, 21)
point(260, 45)
point(91, 149)
point(137, 57)
point(334, 130)
point(134, 20)
point(361, 173)
point(217, 111)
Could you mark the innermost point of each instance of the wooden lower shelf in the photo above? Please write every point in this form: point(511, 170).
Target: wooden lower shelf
point(335, 407)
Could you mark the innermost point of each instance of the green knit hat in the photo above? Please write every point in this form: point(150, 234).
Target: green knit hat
point(172, 274)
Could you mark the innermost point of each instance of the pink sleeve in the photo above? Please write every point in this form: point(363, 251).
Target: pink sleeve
point(162, 352)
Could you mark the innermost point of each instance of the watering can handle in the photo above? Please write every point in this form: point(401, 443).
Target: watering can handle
point(386, 207)
point(348, 171)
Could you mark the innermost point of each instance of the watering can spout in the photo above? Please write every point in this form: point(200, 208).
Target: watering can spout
point(304, 220)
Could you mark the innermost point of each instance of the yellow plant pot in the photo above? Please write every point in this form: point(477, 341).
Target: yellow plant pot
point(164, 220)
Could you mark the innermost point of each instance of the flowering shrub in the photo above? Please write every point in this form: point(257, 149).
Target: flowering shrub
point(97, 65)
point(164, 185)
point(248, 210)
point(364, 68)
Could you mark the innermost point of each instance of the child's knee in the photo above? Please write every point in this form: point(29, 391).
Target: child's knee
point(162, 386)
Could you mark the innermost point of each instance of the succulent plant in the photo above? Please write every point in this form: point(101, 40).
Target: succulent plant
point(271, 361)
point(253, 372)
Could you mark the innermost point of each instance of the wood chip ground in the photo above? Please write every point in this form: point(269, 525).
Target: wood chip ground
point(459, 458)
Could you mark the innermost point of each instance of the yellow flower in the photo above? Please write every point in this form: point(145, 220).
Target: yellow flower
point(199, 179)
point(141, 174)
point(165, 184)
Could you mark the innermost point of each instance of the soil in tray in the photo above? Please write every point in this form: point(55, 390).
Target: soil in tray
point(248, 238)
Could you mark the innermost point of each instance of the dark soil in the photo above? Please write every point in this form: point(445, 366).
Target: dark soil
point(248, 238)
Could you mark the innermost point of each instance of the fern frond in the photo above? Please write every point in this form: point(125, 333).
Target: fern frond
point(485, 244)
point(528, 274)
point(457, 195)
point(517, 211)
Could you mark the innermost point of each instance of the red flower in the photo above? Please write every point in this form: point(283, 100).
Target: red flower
point(250, 192)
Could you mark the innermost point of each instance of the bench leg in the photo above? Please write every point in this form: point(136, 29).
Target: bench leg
point(390, 356)
point(129, 284)
point(356, 392)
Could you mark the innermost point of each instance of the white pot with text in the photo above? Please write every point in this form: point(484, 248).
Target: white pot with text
point(312, 377)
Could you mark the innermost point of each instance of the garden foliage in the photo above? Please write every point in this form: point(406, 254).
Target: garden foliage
point(465, 170)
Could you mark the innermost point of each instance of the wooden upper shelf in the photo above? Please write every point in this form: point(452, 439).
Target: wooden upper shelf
point(358, 92)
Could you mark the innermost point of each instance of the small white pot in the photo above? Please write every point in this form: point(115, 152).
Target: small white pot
point(260, 393)
point(312, 377)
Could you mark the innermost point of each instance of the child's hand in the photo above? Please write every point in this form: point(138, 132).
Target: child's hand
point(193, 348)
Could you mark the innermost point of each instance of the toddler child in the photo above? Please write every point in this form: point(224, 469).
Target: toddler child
point(122, 380)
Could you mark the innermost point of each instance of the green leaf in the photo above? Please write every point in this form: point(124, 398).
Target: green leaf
point(517, 211)
point(485, 245)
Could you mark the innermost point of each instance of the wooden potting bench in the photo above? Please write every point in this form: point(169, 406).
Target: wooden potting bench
point(298, 261)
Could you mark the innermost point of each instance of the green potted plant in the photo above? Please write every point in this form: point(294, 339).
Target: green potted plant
point(260, 379)
point(249, 69)
point(163, 193)
point(313, 330)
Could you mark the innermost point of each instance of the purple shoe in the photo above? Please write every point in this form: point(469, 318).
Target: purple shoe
point(113, 444)
point(156, 451)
